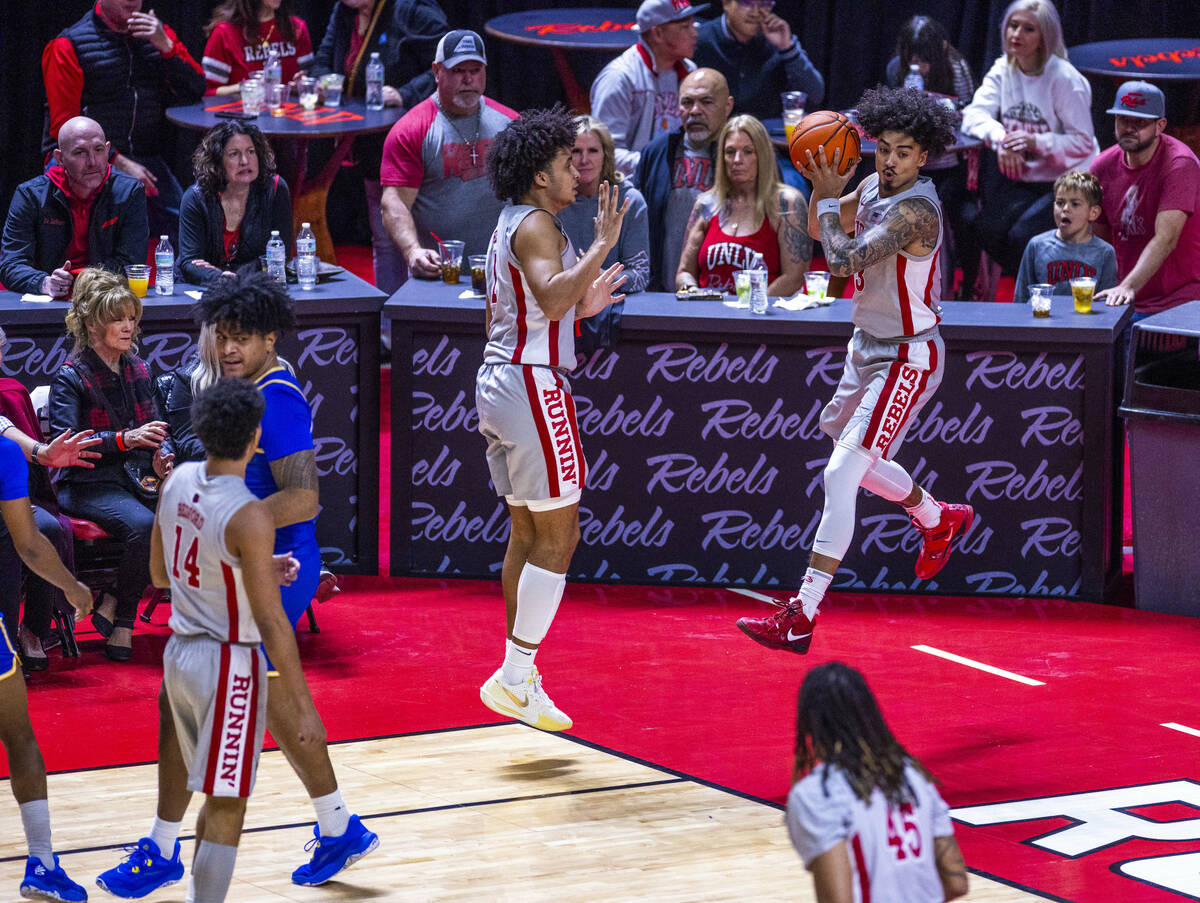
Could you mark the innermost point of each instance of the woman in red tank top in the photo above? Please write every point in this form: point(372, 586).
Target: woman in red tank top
point(748, 219)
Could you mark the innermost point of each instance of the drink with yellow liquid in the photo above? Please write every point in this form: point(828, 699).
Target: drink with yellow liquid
point(138, 277)
point(791, 119)
point(1082, 288)
point(793, 111)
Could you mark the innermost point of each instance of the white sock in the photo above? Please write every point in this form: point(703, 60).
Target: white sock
point(212, 872)
point(812, 591)
point(927, 512)
point(518, 663)
point(35, 818)
point(333, 818)
point(164, 834)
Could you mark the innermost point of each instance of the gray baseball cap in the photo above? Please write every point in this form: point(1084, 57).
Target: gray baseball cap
point(653, 13)
point(1139, 99)
point(459, 46)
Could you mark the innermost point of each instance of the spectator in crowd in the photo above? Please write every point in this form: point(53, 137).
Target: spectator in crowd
point(1151, 204)
point(749, 219)
point(227, 216)
point(434, 170)
point(106, 387)
point(1033, 111)
point(595, 161)
point(123, 67)
point(637, 94)
point(676, 168)
point(405, 34)
point(176, 390)
point(241, 36)
point(760, 57)
point(80, 213)
point(1071, 250)
point(19, 422)
point(860, 797)
point(923, 42)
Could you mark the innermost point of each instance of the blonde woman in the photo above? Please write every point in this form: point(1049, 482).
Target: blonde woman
point(177, 389)
point(748, 219)
point(104, 386)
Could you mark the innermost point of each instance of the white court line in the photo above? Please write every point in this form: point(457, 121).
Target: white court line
point(971, 663)
point(1182, 728)
point(753, 595)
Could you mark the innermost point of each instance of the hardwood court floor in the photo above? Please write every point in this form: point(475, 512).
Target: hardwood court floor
point(497, 812)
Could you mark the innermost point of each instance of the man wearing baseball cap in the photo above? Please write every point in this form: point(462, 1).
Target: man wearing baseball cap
point(1151, 185)
point(637, 94)
point(434, 168)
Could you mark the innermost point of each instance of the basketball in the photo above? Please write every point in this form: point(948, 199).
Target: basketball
point(828, 128)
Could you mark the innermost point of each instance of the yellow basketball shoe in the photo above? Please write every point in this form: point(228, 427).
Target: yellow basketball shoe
point(526, 702)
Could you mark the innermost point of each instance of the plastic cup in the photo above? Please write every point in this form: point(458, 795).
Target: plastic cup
point(138, 277)
point(1039, 298)
point(308, 93)
point(333, 85)
point(793, 110)
point(478, 264)
point(1082, 288)
point(452, 252)
point(252, 95)
point(741, 282)
point(816, 283)
point(276, 97)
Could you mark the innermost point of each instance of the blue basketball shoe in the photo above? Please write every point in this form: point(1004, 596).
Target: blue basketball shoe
point(144, 870)
point(41, 883)
point(332, 854)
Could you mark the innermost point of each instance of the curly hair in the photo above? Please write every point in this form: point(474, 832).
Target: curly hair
point(98, 298)
point(208, 160)
point(224, 417)
point(526, 147)
point(923, 118)
point(251, 300)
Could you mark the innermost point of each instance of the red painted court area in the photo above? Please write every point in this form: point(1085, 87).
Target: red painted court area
point(662, 674)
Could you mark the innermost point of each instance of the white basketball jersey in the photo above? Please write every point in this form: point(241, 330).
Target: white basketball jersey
point(521, 332)
point(899, 295)
point(890, 847)
point(207, 593)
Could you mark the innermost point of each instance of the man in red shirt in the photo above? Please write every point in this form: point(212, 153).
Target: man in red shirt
point(1151, 185)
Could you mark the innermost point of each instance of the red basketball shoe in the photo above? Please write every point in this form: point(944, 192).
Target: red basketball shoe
point(787, 629)
point(936, 542)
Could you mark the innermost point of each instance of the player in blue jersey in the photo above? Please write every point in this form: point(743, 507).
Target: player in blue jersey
point(44, 878)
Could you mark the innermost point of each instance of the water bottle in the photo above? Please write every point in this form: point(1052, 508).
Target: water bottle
point(276, 259)
point(913, 79)
point(375, 83)
point(164, 267)
point(306, 257)
point(272, 71)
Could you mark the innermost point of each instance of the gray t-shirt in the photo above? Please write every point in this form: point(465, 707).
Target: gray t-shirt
point(691, 176)
point(1049, 259)
point(444, 158)
point(633, 247)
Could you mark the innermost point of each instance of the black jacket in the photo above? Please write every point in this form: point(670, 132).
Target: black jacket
point(174, 393)
point(202, 224)
point(38, 230)
point(653, 179)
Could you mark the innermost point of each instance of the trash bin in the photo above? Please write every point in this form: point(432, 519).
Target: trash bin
point(1162, 423)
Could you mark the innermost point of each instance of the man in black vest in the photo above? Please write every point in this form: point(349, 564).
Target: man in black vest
point(123, 68)
point(80, 213)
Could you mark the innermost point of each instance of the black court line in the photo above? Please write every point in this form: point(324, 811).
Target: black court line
point(473, 804)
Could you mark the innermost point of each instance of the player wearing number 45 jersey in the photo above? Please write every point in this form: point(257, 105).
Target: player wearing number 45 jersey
point(537, 287)
point(895, 358)
point(865, 817)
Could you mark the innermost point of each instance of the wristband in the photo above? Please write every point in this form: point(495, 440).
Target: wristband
point(829, 205)
point(37, 448)
point(120, 438)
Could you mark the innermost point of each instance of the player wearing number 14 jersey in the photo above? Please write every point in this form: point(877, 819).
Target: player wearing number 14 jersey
point(895, 358)
point(865, 817)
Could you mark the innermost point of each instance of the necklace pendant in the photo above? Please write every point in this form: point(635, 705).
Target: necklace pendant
point(474, 155)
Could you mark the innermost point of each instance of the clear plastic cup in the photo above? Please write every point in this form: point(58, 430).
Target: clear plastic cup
point(478, 264)
point(452, 252)
point(333, 84)
point(138, 277)
point(308, 93)
point(1082, 288)
point(816, 283)
point(277, 97)
point(741, 282)
point(1039, 298)
point(252, 94)
point(793, 110)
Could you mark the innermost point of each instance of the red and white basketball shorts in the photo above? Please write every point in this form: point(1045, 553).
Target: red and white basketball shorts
point(527, 415)
point(218, 697)
point(884, 385)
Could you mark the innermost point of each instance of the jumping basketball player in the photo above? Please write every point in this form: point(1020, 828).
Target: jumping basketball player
point(895, 358)
point(865, 817)
point(212, 545)
point(537, 287)
point(44, 878)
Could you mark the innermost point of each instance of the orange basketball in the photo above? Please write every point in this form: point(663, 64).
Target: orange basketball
point(828, 128)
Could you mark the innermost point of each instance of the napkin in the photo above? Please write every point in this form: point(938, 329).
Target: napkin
point(193, 294)
point(36, 299)
point(801, 301)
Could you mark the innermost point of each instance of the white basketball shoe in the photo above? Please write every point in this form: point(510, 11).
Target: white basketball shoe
point(526, 702)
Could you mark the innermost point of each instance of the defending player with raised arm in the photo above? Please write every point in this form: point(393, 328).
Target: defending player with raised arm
point(895, 358)
point(44, 878)
point(537, 286)
point(864, 814)
point(212, 546)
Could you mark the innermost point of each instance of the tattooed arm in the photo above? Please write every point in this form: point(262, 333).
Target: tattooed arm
point(296, 498)
point(795, 247)
point(911, 225)
point(688, 272)
point(952, 869)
